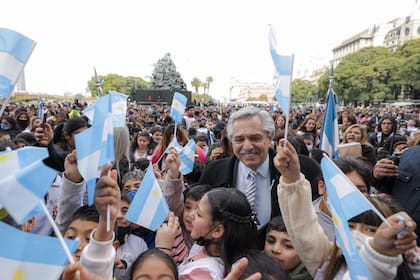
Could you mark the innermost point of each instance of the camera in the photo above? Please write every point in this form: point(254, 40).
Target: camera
point(395, 158)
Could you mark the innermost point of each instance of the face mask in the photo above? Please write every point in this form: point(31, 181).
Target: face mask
point(23, 123)
point(359, 238)
point(205, 149)
point(131, 194)
point(156, 140)
point(309, 147)
point(122, 234)
point(202, 241)
point(5, 126)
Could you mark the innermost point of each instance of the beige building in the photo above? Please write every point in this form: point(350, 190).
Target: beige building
point(390, 35)
point(240, 92)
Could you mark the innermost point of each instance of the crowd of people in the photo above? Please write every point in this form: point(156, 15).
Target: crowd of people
point(255, 205)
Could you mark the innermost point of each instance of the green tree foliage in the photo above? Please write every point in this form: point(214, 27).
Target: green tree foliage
point(115, 82)
point(209, 80)
point(303, 91)
point(410, 67)
point(196, 84)
point(375, 73)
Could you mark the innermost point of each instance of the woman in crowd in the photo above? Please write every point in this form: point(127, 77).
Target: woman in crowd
point(357, 133)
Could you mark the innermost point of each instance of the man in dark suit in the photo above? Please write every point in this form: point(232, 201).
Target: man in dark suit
point(251, 131)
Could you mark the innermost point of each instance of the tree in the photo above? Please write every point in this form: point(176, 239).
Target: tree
point(196, 84)
point(115, 82)
point(303, 91)
point(409, 72)
point(209, 80)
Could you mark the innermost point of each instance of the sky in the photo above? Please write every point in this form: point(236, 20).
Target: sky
point(224, 39)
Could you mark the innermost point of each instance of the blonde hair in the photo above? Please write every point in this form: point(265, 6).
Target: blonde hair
point(364, 140)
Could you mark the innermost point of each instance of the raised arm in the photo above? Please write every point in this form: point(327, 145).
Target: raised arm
point(294, 193)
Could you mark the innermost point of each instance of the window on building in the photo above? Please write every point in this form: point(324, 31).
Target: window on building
point(407, 31)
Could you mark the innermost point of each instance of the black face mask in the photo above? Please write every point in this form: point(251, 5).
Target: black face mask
point(202, 241)
point(122, 234)
point(23, 123)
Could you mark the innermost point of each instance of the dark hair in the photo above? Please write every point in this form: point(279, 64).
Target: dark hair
point(157, 254)
point(230, 207)
point(26, 138)
point(277, 224)
point(194, 176)
point(196, 191)
point(267, 266)
point(141, 163)
point(86, 213)
point(348, 165)
point(74, 124)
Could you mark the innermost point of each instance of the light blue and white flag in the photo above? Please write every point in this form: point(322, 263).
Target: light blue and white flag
point(41, 110)
point(345, 201)
point(31, 256)
point(13, 161)
point(329, 136)
point(283, 70)
point(187, 156)
point(149, 207)
point(179, 103)
point(15, 50)
point(174, 143)
point(119, 108)
point(21, 191)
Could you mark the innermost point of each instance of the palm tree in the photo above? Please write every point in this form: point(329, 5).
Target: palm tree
point(196, 84)
point(209, 80)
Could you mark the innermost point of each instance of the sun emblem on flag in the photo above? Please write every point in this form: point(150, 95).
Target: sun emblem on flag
point(4, 157)
point(19, 274)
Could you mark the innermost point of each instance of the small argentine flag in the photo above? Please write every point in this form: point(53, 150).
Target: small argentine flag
point(31, 256)
point(179, 103)
point(15, 50)
point(187, 156)
point(26, 182)
point(282, 79)
point(149, 207)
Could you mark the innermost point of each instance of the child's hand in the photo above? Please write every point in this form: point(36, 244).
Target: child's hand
point(107, 192)
point(166, 234)
point(156, 171)
point(238, 268)
point(172, 163)
point(78, 272)
point(70, 168)
point(385, 240)
point(287, 162)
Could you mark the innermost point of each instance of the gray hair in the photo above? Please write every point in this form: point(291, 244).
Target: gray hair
point(135, 175)
point(250, 112)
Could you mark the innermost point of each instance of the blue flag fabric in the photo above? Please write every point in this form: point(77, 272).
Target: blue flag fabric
point(149, 207)
point(330, 137)
point(187, 157)
point(95, 145)
point(179, 103)
point(15, 50)
point(282, 79)
point(31, 256)
point(345, 201)
point(41, 110)
point(119, 108)
point(26, 182)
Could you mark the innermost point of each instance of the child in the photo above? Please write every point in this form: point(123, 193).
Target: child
point(279, 246)
point(98, 256)
point(176, 241)
point(154, 264)
point(381, 253)
point(224, 229)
